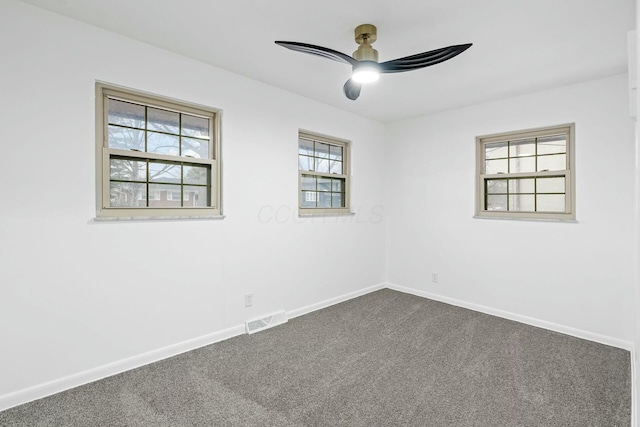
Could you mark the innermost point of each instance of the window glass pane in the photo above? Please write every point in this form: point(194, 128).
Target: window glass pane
point(497, 203)
point(337, 184)
point(196, 148)
point(322, 165)
point(551, 185)
point(496, 186)
point(337, 200)
point(125, 138)
point(496, 150)
point(556, 162)
point(522, 202)
point(161, 198)
point(308, 182)
point(551, 203)
point(163, 120)
point(335, 166)
point(324, 184)
point(322, 150)
point(521, 185)
point(127, 170)
point(194, 197)
point(126, 114)
point(305, 147)
point(525, 147)
point(324, 200)
point(195, 174)
point(496, 166)
point(552, 144)
point(335, 152)
point(305, 163)
point(522, 164)
point(195, 126)
point(164, 172)
point(127, 195)
point(309, 199)
point(136, 181)
point(163, 144)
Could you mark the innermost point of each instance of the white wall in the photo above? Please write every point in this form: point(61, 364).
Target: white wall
point(633, 83)
point(76, 294)
point(575, 275)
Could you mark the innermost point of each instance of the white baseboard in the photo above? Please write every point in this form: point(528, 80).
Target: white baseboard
point(46, 389)
point(56, 386)
point(634, 390)
point(568, 330)
point(332, 301)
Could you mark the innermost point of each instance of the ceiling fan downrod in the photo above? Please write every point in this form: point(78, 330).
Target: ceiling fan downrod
point(366, 34)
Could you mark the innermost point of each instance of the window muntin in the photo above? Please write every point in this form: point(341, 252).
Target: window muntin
point(157, 157)
point(323, 174)
point(526, 174)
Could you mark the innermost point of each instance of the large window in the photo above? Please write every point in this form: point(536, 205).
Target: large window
point(323, 174)
point(155, 157)
point(526, 174)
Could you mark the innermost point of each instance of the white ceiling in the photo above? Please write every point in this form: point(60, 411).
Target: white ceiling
point(519, 45)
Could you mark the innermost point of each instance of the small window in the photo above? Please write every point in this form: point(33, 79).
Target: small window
point(175, 196)
point(156, 157)
point(527, 174)
point(323, 175)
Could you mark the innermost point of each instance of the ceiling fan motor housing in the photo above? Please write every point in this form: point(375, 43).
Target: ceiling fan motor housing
point(366, 34)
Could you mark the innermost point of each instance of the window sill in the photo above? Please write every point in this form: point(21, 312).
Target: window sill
point(512, 218)
point(157, 218)
point(310, 214)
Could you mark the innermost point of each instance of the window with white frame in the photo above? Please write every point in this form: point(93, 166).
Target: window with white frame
point(156, 157)
point(323, 174)
point(527, 174)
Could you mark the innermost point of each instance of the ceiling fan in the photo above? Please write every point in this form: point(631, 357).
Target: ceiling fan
point(366, 67)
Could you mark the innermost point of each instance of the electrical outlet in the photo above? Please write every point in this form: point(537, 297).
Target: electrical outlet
point(248, 300)
point(434, 277)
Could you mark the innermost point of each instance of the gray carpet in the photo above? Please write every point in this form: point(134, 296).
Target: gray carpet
point(384, 359)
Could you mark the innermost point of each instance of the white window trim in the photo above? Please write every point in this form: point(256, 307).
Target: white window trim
point(569, 174)
point(346, 175)
point(103, 152)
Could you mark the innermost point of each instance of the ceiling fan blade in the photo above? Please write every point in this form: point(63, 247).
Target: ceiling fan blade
point(324, 52)
point(423, 59)
point(352, 89)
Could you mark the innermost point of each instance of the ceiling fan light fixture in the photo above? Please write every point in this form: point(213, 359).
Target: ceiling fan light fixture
point(366, 72)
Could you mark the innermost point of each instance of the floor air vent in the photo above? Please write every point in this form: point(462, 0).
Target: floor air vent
point(266, 322)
